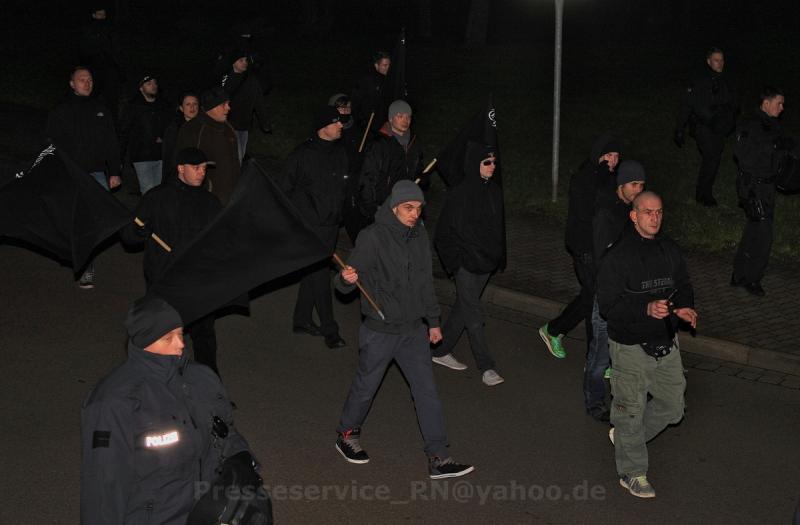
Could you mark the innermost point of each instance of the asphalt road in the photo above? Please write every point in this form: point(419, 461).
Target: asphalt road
point(538, 458)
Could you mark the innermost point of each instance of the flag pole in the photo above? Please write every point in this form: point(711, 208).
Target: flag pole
point(427, 169)
point(369, 125)
point(155, 237)
point(367, 296)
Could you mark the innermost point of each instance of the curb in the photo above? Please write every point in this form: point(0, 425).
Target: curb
point(702, 345)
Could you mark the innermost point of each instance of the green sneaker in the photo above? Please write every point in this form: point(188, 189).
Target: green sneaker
point(607, 373)
point(638, 486)
point(553, 343)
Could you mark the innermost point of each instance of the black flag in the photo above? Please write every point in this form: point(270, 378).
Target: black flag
point(258, 237)
point(481, 129)
point(396, 86)
point(58, 207)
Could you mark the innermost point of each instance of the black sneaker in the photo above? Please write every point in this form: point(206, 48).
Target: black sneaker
point(309, 328)
point(447, 468)
point(349, 446)
point(334, 341)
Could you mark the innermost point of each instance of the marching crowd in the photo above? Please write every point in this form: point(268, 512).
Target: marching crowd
point(162, 422)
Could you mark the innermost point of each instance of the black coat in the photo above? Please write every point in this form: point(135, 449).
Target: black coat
point(168, 147)
point(394, 265)
point(83, 128)
point(611, 218)
point(635, 272)
point(368, 98)
point(247, 97)
point(709, 100)
point(591, 182)
point(174, 211)
point(757, 149)
point(386, 162)
point(314, 179)
point(146, 437)
point(142, 128)
point(470, 232)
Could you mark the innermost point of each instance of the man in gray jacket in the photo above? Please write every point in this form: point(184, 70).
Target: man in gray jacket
point(392, 259)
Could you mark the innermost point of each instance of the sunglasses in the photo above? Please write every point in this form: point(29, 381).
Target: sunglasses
point(488, 162)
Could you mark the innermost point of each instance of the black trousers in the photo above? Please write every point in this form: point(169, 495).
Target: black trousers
point(752, 256)
point(467, 315)
point(204, 341)
point(580, 308)
point(315, 293)
point(710, 145)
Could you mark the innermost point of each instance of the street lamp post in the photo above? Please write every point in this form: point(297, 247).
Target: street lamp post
point(557, 95)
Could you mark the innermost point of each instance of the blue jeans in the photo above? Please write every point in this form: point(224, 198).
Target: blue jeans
point(241, 139)
point(149, 174)
point(411, 350)
point(597, 360)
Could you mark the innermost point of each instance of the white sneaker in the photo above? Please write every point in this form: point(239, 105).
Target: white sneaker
point(449, 361)
point(491, 378)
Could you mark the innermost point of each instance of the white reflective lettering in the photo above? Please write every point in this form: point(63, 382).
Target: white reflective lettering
point(161, 440)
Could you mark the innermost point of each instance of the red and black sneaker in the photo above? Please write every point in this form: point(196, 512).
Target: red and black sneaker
point(349, 446)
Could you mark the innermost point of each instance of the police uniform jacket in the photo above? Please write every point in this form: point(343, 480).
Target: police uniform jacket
point(756, 151)
point(709, 99)
point(146, 437)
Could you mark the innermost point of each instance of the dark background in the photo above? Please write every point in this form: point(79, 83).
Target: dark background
point(625, 65)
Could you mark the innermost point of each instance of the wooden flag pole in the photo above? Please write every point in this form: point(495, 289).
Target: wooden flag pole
point(368, 297)
point(427, 169)
point(369, 125)
point(155, 237)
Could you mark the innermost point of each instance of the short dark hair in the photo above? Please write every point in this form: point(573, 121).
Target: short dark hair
point(380, 55)
point(188, 94)
point(75, 69)
point(712, 50)
point(770, 92)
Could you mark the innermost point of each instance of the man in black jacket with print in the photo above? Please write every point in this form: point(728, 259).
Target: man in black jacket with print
point(644, 291)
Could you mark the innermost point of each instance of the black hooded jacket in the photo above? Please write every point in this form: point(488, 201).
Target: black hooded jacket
point(394, 265)
point(83, 128)
point(314, 179)
point(146, 437)
point(174, 211)
point(637, 271)
point(470, 232)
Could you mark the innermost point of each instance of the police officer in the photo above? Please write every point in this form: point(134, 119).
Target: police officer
point(643, 291)
point(157, 434)
point(709, 107)
point(758, 149)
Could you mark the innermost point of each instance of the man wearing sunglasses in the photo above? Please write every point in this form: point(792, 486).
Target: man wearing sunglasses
point(470, 240)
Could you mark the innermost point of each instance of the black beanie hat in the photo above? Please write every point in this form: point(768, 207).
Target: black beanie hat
point(213, 98)
point(325, 116)
point(149, 318)
point(404, 191)
point(630, 171)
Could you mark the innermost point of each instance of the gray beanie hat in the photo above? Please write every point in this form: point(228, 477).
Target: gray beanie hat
point(149, 318)
point(630, 171)
point(404, 191)
point(399, 106)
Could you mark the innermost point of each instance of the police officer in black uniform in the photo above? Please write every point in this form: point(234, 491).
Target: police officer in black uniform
point(758, 151)
point(158, 440)
point(709, 107)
